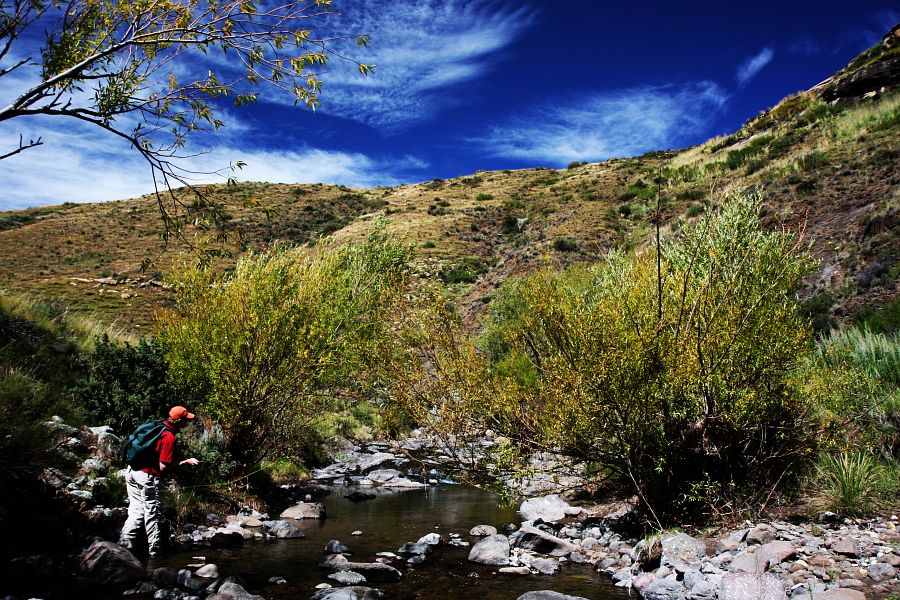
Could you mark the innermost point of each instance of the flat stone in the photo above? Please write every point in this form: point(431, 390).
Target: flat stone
point(374, 572)
point(492, 550)
point(749, 562)
point(514, 571)
point(347, 578)
point(305, 510)
point(846, 547)
point(751, 586)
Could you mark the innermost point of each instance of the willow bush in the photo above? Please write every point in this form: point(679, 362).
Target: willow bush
point(669, 370)
point(267, 347)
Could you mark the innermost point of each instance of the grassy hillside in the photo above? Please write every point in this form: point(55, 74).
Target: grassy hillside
point(828, 160)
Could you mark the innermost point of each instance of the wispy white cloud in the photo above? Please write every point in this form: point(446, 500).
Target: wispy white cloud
point(79, 163)
point(753, 65)
point(606, 125)
point(425, 53)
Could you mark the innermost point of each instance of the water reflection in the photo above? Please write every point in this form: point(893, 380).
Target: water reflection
point(387, 522)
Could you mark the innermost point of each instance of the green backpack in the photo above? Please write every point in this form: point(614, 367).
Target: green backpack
point(142, 440)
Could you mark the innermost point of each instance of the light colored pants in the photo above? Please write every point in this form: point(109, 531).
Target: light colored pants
point(143, 509)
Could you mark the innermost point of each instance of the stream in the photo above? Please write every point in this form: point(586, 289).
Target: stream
point(387, 522)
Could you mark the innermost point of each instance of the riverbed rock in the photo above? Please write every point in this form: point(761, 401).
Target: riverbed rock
point(881, 571)
point(335, 547)
point(514, 571)
point(348, 593)
point(761, 534)
point(483, 530)
point(664, 589)
point(751, 586)
point(348, 577)
point(545, 566)
point(111, 565)
point(777, 552)
point(492, 550)
point(833, 594)
point(846, 546)
point(410, 549)
point(547, 508)
point(305, 510)
point(432, 539)
point(548, 595)
point(233, 591)
point(681, 548)
point(208, 571)
point(749, 562)
point(283, 529)
point(374, 572)
point(532, 538)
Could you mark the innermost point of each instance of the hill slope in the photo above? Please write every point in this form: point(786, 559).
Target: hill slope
point(828, 160)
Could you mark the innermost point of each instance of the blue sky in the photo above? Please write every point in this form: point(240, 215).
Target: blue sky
point(462, 86)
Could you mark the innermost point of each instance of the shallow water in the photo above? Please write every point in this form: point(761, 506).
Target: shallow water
point(387, 522)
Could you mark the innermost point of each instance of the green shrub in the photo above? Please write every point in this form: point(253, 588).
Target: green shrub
point(266, 348)
point(812, 161)
point(465, 271)
point(848, 484)
point(484, 196)
point(855, 377)
point(884, 320)
point(695, 210)
point(126, 385)
point(687, 400)
point(429, 244)
point(565, 244)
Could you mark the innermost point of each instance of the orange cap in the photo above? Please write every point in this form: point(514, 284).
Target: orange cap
point(179, 412)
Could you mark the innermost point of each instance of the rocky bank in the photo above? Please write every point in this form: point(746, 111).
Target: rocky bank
point(829, 558)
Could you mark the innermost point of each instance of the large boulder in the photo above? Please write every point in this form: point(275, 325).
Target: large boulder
point(752, 586)
point(305, 510)
point(492, 550)
point(547, 508)
point(681, 548)
point(111, 565)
